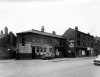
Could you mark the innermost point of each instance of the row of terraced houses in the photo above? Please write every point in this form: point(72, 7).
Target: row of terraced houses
point(35, 44)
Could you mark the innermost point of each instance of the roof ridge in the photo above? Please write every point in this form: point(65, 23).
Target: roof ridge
point(40, 32)
point(45, 32)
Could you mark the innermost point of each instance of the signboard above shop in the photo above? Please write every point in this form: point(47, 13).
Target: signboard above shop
point(71, 45)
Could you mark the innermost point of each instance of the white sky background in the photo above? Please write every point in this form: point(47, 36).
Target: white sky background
point(54, 15)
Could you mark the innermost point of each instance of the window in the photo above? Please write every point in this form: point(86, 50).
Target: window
point(81, 36)
point(44, 49)
point(23, 41)
point(62, 42)
point(50, 41)
point(78, 35)
point(41, 49)
point(78, 42)
point(91, 44)
point(37, 49)
point(50, 49)
point(84, 43)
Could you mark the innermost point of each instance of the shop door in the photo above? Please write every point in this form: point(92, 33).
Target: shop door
point(33, 52)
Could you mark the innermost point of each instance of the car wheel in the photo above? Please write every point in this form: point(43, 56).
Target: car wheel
point(95, 64)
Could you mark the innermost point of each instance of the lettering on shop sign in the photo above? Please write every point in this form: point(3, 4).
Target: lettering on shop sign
point(37, 40)
point(45, 41)
point(36, 44)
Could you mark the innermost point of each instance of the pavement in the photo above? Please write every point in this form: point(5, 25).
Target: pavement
point(67, 59)
point(57, 67)
point(51, 60)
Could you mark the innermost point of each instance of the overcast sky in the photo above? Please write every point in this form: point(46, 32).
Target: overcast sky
point(54, 15)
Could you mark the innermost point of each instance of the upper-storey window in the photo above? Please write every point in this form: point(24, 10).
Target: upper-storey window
point(98, 41)
point(78, 42)
point(61, 43)
point(84, 37)
point(50, 41)
point(78, 35)
point(23, 41)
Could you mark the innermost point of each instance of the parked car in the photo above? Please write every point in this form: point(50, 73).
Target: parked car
point(47, 56)
point(97, 60)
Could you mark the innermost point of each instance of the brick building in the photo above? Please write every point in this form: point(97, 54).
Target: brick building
point(97, 45)
point(78, 43)
point(38, 44)
point(7, 42)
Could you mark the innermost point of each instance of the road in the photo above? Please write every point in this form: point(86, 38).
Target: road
point(49, 68)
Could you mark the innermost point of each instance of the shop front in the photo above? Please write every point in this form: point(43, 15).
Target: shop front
point(41, 51)
point(82, 52)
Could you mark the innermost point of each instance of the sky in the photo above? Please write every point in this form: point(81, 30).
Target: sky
point(54, 15)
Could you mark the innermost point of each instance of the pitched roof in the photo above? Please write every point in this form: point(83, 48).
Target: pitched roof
point(40, 32)
point(97, 38)
point(81, 32)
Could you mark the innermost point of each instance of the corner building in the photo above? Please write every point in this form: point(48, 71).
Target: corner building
point(97, 45)
point(79, 44)
point(38, 44)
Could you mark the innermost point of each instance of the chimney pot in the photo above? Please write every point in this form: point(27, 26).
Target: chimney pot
point(1, 32)
point(76, 28)
point(53, 32)
point(42, 29)
point(6, 30)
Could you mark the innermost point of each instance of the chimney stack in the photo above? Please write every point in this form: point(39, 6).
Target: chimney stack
point(76, 28)
point(88, 33)
point(6, 30)
point(1, 32)
point(42, 29)
point(53, 32)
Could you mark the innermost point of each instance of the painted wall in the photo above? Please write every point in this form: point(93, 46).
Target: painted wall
point(25, 49)
point(37, 40)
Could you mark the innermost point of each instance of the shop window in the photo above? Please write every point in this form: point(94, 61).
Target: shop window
point(44, 49)
point(37, 49)
point(41, 49)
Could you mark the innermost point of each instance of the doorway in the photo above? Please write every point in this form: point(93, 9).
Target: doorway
point(33, 52)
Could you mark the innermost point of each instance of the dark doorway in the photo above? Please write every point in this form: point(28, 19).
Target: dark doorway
point(87, 53)
point(33, 52)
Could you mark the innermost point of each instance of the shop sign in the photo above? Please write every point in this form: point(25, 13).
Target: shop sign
point(71, 45)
